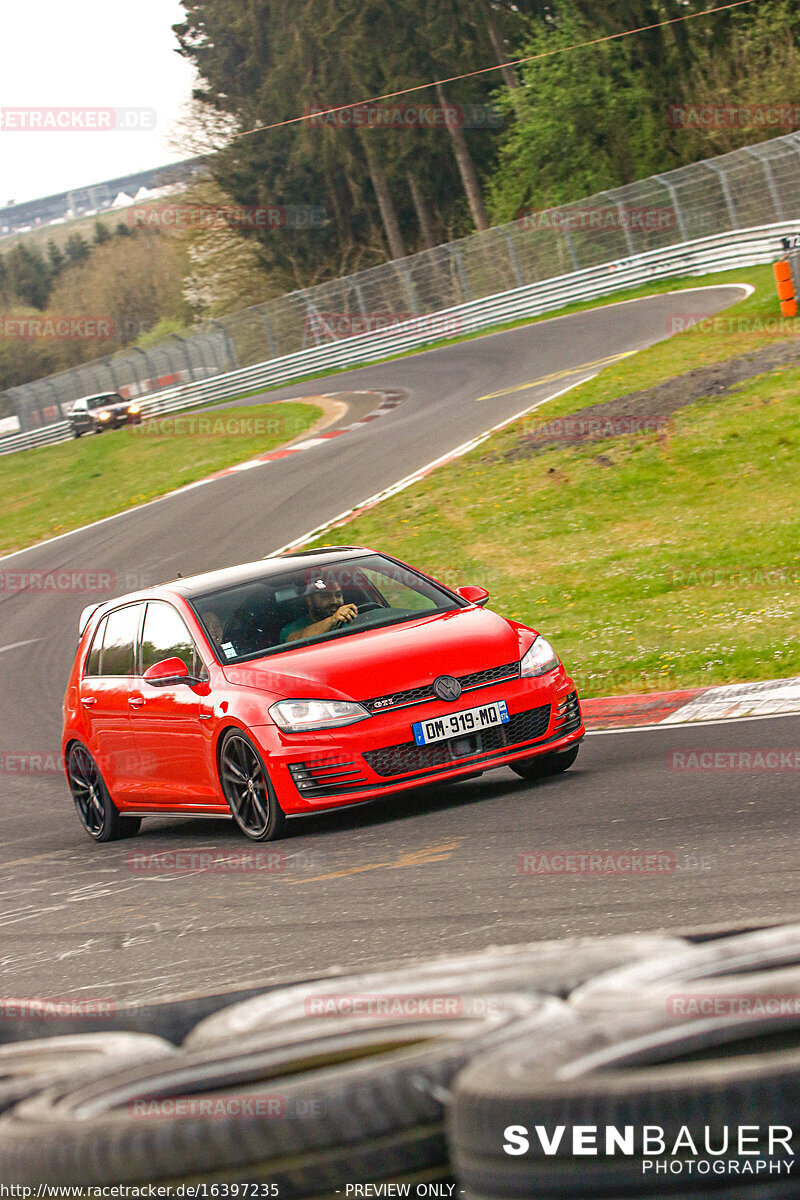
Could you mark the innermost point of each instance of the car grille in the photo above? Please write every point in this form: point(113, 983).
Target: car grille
point(406, 758)
point(419, 695)
point(326, 776)
point(568, 715)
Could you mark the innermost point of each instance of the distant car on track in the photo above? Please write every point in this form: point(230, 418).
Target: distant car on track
point(303, 683)
point(108, 410)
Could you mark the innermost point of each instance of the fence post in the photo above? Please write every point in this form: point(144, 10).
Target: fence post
point(268, 330)
point(512, 254)
point(626, 229)
point(455, 254)
point(571, 247)
point(148, 366)
point(412, 299)
point(726, 191)
point(182, 343)
point(673, 195)
point(767, 168)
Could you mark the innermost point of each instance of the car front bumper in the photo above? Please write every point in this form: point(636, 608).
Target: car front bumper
point(331, 769)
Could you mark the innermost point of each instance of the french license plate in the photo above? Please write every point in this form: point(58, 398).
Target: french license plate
point(471, 720)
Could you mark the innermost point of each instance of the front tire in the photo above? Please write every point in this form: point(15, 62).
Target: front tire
point(247, 789)
point(97, 812)
point(544, 765)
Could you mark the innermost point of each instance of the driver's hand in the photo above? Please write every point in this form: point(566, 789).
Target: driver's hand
point(347, 612)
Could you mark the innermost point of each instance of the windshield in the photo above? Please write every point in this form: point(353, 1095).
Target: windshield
point(312, 604)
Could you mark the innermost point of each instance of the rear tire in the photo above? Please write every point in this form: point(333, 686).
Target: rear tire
point(97, 812)
point(544, 765)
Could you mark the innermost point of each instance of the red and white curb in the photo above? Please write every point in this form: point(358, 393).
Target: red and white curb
point(390, 402)
point(694, 706)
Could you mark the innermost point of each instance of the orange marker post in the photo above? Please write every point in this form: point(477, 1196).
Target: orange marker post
point(785, 283)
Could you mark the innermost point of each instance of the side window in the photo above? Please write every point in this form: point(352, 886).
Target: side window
point(165, 636)
point(119, 642)
point(93, 661)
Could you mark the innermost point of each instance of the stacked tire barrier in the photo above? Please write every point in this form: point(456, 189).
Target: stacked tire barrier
point(610, 1067)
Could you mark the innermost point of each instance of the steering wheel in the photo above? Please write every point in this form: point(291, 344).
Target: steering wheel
point(364, 609)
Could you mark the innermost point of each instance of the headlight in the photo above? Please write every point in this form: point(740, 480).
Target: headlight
point(540, 659)
point(134, 410)
point(301, 716)
point(103, 416)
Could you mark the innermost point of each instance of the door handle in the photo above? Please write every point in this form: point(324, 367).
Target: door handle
point(88, 701)
point(136, 701)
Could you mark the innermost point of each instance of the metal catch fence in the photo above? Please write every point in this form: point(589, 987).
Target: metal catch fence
point(735, 197)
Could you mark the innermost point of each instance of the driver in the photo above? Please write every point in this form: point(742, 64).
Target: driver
point(326, 610)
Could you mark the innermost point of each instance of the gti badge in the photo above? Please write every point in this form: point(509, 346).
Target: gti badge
point(447, 688)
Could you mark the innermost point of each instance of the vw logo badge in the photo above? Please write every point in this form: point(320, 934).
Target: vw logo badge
point(447, 688)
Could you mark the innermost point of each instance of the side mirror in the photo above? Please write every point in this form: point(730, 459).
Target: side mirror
point(169, 670)
point(475, 595)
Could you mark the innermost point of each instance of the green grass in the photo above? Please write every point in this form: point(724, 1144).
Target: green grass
point(54, 489)
point(674, 561)
point(693, 348)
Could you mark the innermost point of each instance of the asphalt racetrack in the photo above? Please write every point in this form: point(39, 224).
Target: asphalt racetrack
point(431, 871)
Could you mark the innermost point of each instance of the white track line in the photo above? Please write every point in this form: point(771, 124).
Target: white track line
point(16, 645)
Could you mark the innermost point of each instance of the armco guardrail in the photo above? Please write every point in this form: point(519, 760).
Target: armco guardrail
point(722, 252)
point(752, 186)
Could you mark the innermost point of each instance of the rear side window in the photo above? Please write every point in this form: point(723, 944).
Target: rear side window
point(93, 661)
point(165, 635)
point(118, 656)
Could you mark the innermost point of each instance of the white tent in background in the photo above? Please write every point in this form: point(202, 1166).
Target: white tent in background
point(122, 200)
point(144, 193)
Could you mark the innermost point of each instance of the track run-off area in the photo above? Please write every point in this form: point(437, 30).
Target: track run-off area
point(427, 872)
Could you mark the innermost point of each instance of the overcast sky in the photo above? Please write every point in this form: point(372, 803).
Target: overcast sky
point(88, 53)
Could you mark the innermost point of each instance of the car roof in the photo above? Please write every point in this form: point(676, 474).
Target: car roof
point(263, 568)
point(99, 396)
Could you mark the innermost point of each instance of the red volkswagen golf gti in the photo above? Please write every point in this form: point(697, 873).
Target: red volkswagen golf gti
point(302, 683)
